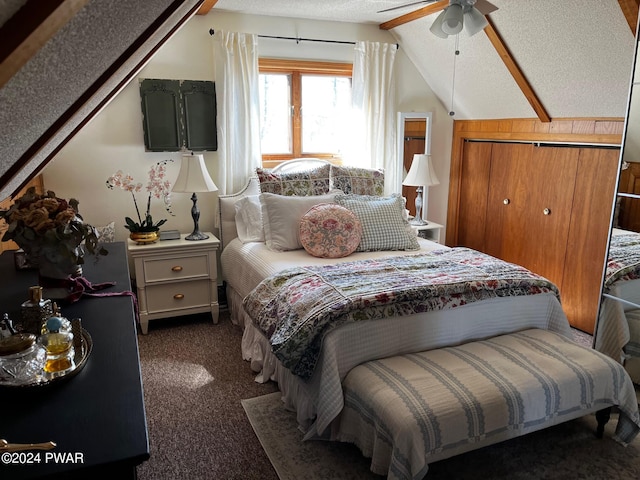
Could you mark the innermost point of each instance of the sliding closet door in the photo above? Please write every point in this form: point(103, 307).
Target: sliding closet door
point(554, 170)
point(474, 187)
point(529, 206)
point(588, 235)
point(507, 202)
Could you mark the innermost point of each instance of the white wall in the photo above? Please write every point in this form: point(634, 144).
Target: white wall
point(114, 139)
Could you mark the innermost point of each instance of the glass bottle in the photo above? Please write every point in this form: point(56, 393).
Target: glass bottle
point(59, 347)
point(35, 311)
point(61, 325)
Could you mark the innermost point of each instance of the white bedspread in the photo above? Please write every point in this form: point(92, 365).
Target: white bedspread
point(319, 400)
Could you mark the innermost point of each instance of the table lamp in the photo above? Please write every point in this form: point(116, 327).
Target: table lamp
point(194, 177)
point(421, 174)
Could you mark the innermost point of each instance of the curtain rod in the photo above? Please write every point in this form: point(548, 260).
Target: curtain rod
point(299, 39)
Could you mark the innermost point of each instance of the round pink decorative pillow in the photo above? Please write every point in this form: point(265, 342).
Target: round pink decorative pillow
point(329, 230)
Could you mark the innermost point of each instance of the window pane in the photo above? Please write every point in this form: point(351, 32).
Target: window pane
point(326, 113)
point(275, 113)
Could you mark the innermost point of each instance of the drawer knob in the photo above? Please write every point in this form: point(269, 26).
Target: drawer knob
point(506, 201)
point(177, 268)
point(178, 296)
point(546, 211)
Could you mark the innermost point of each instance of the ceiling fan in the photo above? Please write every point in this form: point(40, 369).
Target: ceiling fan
point(470, 13)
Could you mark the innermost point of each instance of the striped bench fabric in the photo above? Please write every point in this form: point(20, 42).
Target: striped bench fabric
point(406, 411)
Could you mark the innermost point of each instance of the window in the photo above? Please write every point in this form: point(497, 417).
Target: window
point(305, 109)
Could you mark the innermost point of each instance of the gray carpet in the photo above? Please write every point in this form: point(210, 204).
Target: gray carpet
point(194, 382)
point(566, 451)
point(194, 378)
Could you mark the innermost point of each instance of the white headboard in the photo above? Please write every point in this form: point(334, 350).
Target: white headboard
point(299, 165)
point(226, 203)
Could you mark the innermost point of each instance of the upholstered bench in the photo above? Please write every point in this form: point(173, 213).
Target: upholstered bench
point(407, 411)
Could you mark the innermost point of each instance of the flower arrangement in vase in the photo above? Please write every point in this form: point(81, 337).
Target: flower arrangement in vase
point(145, 230)
point(51, 232)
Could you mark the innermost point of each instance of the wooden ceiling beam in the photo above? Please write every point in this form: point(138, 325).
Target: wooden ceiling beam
point(630, 10)
point(206, 6)
point(516, 73)
point(498, 45)
point(421, 12)
point(29, 29)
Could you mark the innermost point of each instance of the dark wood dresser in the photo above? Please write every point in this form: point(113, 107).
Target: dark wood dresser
point(97, 416)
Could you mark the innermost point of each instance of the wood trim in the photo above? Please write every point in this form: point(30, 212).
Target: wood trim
point(295, 69)
point(287, 66)
point(630, 10)
point(29, 29)
point(514, 69)
point(206, 6)
point(591, 131)
point(409, 17)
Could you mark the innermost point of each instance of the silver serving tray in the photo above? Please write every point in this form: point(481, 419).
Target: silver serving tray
point(80, 357)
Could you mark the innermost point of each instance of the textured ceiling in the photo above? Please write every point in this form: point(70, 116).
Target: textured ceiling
point(67, 66)
point(576, 54)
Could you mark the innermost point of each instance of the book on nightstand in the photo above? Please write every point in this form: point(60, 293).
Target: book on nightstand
point(169, 234)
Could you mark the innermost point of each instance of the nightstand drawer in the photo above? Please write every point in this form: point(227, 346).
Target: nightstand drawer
point(179, 295)
point(161, 270)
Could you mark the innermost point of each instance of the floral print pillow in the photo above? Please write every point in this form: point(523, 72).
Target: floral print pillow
point(302, 184)
point(361, 181)
point(328, 230)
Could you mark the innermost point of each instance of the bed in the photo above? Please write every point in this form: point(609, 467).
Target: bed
point(618, 334)
point(247, 262)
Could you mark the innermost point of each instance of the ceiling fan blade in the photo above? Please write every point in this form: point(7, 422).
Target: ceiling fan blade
point(404, 6)
point(485, 7)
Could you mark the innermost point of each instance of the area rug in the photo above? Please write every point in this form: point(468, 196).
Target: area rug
point(566, 451)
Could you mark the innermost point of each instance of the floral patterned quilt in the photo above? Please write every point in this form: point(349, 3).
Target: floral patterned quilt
point(295, 308)
point(623, 262)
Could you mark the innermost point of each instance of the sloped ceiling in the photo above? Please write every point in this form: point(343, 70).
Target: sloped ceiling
point(77, 63)
point(575, 54)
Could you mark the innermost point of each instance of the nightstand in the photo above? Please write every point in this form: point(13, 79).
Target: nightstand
point(430, 231)
point(175, 278)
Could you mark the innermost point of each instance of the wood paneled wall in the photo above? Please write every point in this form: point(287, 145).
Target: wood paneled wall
point(606, 131)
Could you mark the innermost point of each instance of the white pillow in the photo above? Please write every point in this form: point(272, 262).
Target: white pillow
point(281, 216)
point(249, 219)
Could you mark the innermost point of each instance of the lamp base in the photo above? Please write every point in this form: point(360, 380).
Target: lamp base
point(418, 222)
point(195, 214)
point(196, 236)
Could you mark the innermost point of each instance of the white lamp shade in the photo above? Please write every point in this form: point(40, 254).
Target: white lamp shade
point(452, 21)
point(193, 176)
point(436, 28)
point(421, 172)
point(474, 21)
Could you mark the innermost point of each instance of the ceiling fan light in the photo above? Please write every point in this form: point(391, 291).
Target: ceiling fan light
point(436, 28)
point(474, 21)
point(452, 20)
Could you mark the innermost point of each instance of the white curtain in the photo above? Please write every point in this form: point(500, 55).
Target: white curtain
point(238, 118)
point(375, 104)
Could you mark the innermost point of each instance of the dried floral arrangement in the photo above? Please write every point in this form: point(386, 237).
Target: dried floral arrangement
point(48, 223)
